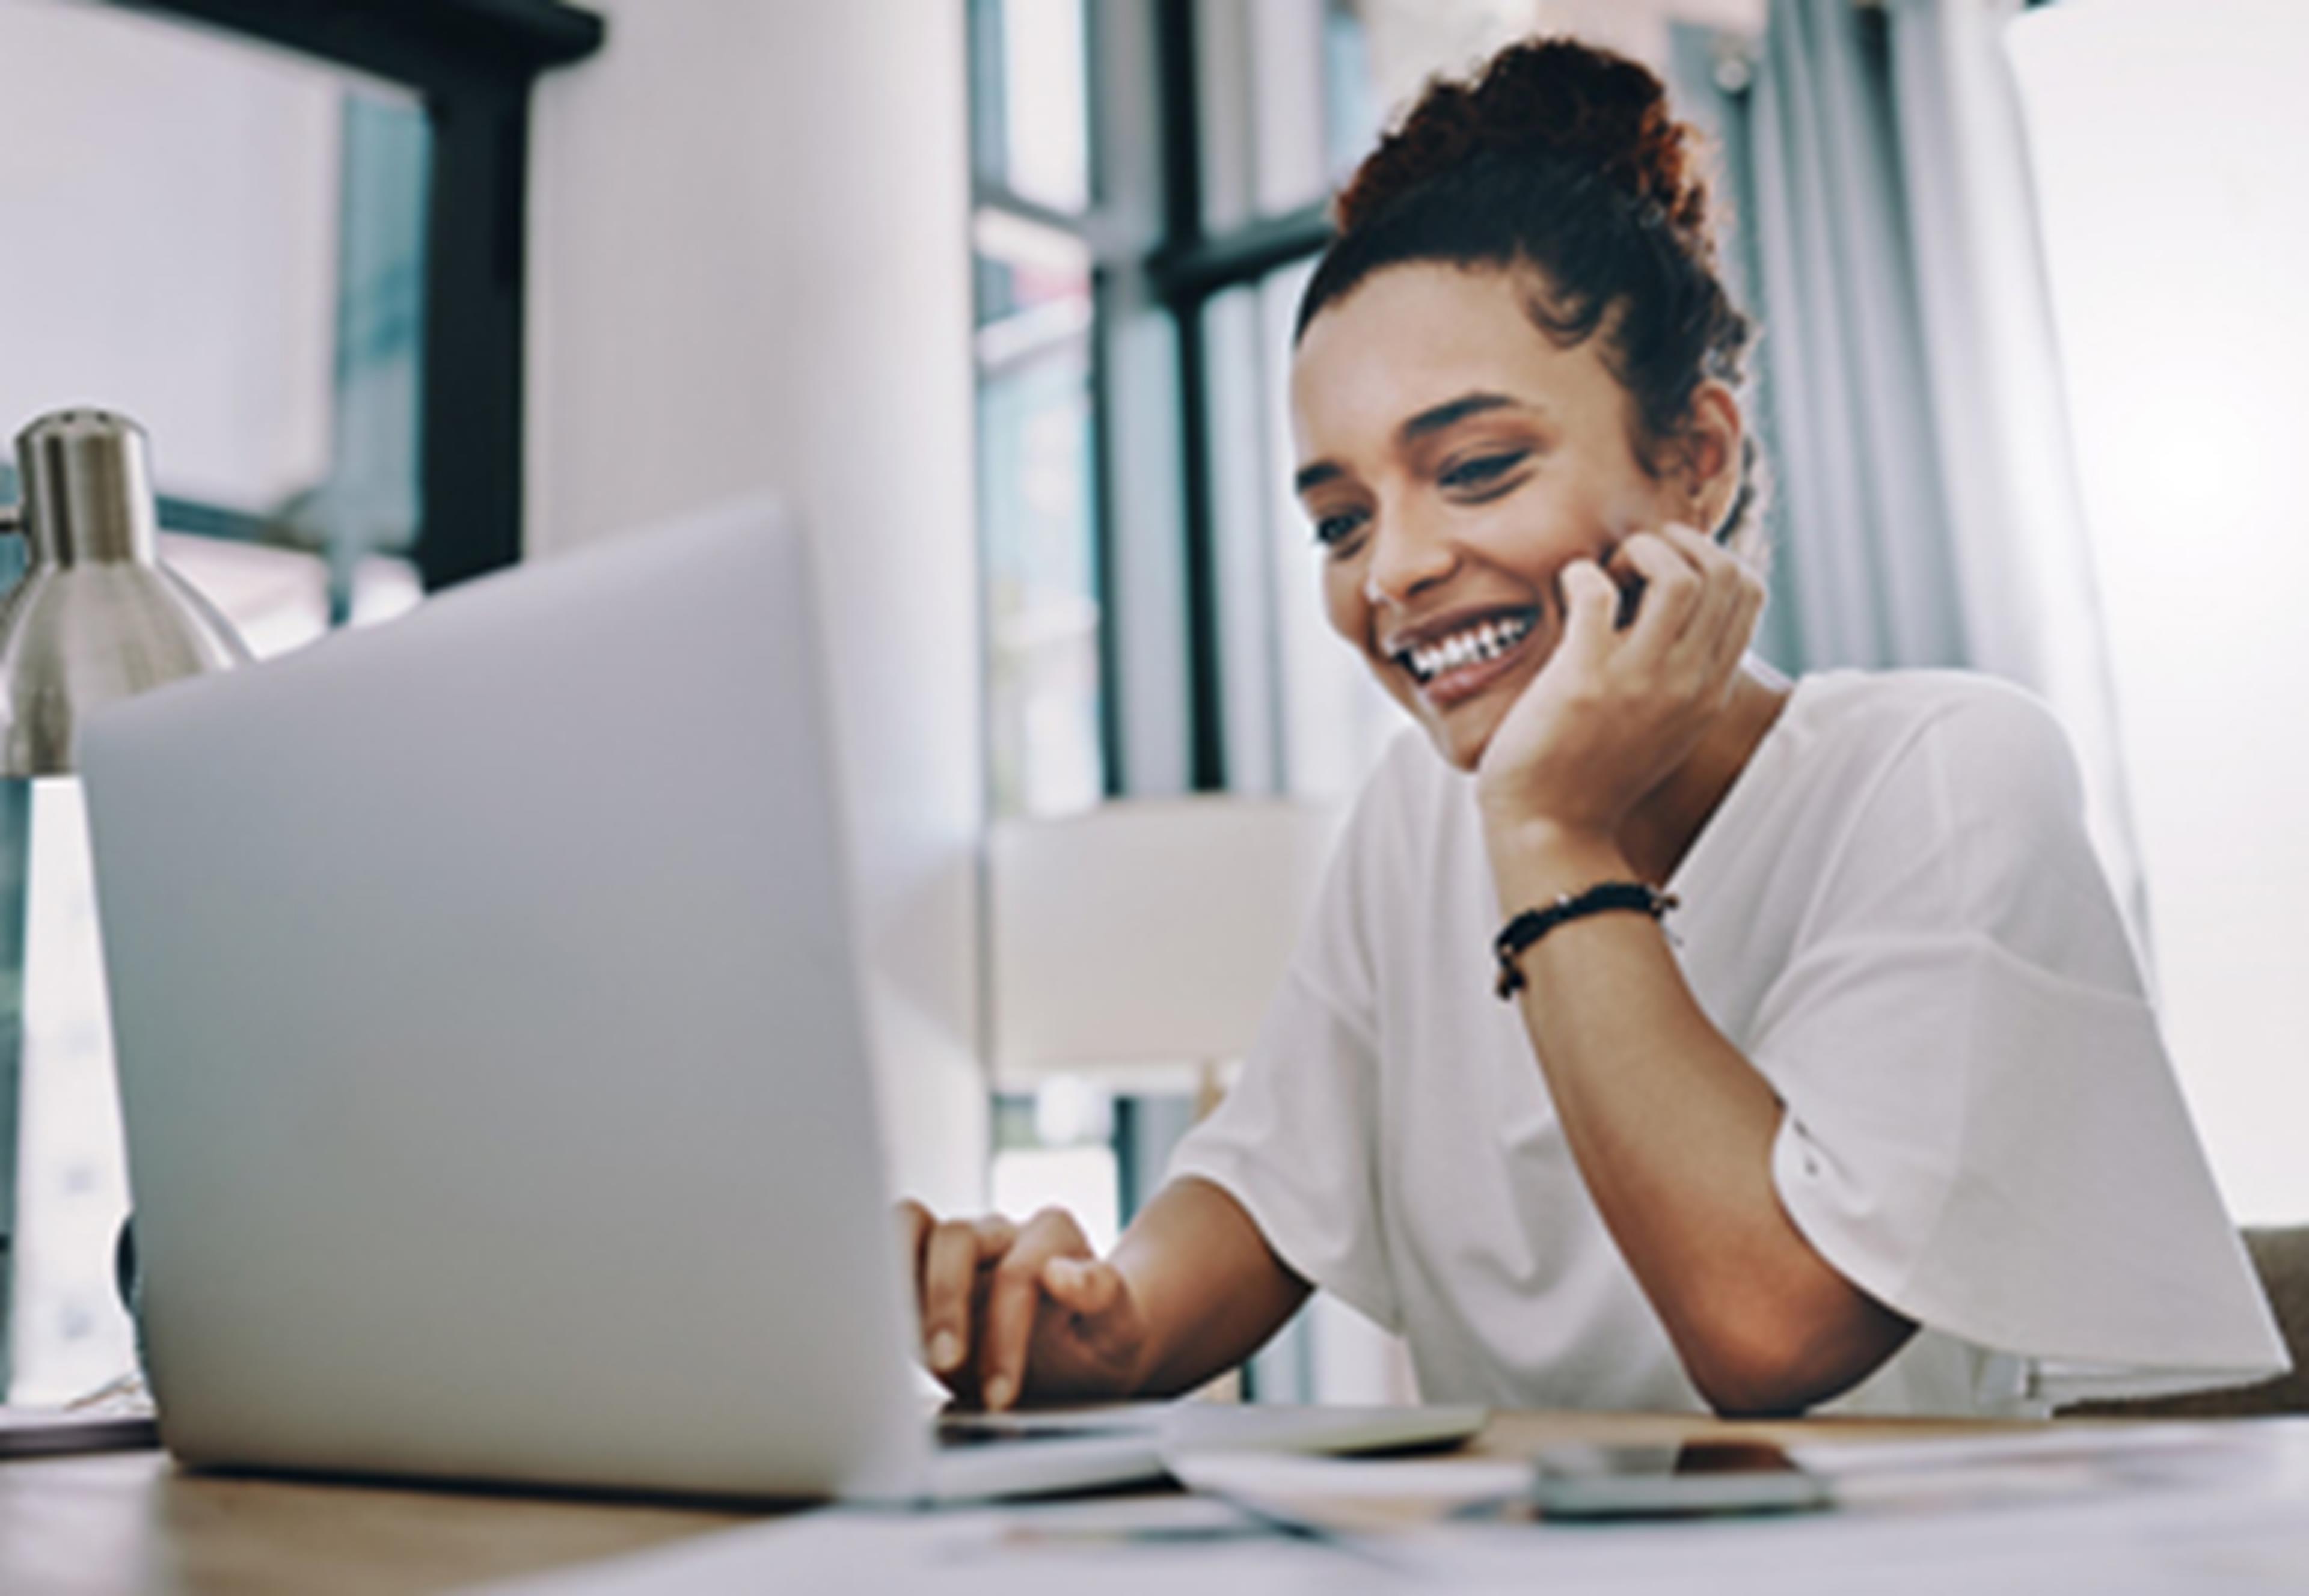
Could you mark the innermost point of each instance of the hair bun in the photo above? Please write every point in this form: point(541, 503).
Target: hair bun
point(1547, 98)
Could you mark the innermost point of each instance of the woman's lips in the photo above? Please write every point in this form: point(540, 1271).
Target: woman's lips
point(1456, 686)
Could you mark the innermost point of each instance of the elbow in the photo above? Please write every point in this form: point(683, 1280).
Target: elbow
point(1740, 1383)
point(1755, 1393)
point(1769, 1361)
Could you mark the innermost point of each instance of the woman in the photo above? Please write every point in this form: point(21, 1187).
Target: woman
point(1826, 1071)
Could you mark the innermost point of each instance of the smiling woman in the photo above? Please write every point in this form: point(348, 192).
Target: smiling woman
point(1886, 1123)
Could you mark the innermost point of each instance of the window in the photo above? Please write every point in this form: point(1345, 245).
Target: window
point(1149, 183)
point(469, 64)
point(1033, 267)
point(1148, 599)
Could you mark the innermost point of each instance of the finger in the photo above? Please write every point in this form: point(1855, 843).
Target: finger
point(1755, 595)
point(915, 1223)
point(1630, 586)
point(1016, 1299)
point(949, 1279)
point(1591, 608)
point(1671, 588)
point(1705, 654)
point(1743, 606)
point(1085, 1287)
point(1106, 1314)
point(1710, 557)
point(1734, 594)
point(1717, 602)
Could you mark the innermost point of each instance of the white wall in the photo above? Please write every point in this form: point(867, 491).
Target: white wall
point(2165, 139)
point(748, 272)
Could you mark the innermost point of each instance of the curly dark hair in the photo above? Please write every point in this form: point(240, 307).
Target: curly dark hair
point(1563, 158)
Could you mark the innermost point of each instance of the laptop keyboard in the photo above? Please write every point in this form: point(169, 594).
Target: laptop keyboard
point(957, 1432)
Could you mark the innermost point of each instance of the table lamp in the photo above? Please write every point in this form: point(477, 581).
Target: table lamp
point(1146, 934)
point(95, 618)
point(96, 615)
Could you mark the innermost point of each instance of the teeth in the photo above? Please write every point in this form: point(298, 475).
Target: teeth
point(1483, 641)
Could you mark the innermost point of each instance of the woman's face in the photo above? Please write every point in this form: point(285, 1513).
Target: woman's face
point(1453, 459)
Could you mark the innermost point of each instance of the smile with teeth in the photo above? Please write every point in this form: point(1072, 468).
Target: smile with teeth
point(1474, 644)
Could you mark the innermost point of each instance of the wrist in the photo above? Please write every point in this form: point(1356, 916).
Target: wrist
point(1537, 861)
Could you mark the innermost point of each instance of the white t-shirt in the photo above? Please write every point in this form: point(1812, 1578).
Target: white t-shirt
point(1895, 915)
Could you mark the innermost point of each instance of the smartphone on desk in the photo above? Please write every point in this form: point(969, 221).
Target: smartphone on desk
point(1699, 1479)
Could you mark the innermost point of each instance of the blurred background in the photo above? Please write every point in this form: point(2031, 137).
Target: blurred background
point(998, 294)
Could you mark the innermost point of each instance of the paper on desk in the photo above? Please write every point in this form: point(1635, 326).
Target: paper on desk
point(1939, 1474)
point(1999, 1470)
point(2118, 1445)
point(2205, 1548)
point(2171, 1511)
point(2244, 1530)
point(1351, 1495)
point(1157, 1546)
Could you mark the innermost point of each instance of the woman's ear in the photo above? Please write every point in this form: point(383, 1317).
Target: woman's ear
point(1709, 447)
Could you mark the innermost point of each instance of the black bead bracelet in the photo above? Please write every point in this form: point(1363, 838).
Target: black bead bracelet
point(1532, 924)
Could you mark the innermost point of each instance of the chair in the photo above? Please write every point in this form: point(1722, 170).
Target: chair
point(2281, 1258)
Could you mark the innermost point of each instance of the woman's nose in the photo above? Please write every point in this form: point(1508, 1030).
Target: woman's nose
point(1405, 557)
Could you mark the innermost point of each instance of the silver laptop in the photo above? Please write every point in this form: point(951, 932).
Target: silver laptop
point(492, 1061)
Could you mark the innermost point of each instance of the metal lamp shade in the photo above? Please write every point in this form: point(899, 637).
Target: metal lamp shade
point(97, 616)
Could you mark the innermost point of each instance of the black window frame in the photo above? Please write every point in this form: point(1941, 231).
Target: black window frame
point(1154, 261)
point(1189, 267)
point(471, 63)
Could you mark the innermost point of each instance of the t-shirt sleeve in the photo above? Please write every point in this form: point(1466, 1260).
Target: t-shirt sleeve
point(1981, 1127)
point(1294, 1141)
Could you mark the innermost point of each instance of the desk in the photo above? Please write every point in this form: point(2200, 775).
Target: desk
point(132, 1522)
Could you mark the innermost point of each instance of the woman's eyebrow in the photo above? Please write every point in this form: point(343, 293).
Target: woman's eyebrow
point(1436, 418)
point(1427, 422)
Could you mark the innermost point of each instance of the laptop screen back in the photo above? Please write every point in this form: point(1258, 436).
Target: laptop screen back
point(490, 1045)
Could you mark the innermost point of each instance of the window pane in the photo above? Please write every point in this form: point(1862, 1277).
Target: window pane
point(226, 242)
point(369, 501)
point(1037, 504)
point(1036, 492)
point(1241, 456)
point(1024, 269)
point(1350, 106)
point(1055, 1148)
point(1286, 102)
point(1303, 714)
point(1031, 129)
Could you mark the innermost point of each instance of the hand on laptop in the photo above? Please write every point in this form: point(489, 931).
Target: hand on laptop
point(1011, 1310)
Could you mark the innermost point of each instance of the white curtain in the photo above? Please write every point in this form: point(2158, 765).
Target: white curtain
point(1926, 506)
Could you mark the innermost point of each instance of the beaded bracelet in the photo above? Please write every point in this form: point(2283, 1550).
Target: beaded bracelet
point(1532, 924)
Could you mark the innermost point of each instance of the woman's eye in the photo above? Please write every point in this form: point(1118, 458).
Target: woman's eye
point(1481, 471)
point(1331, 531)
